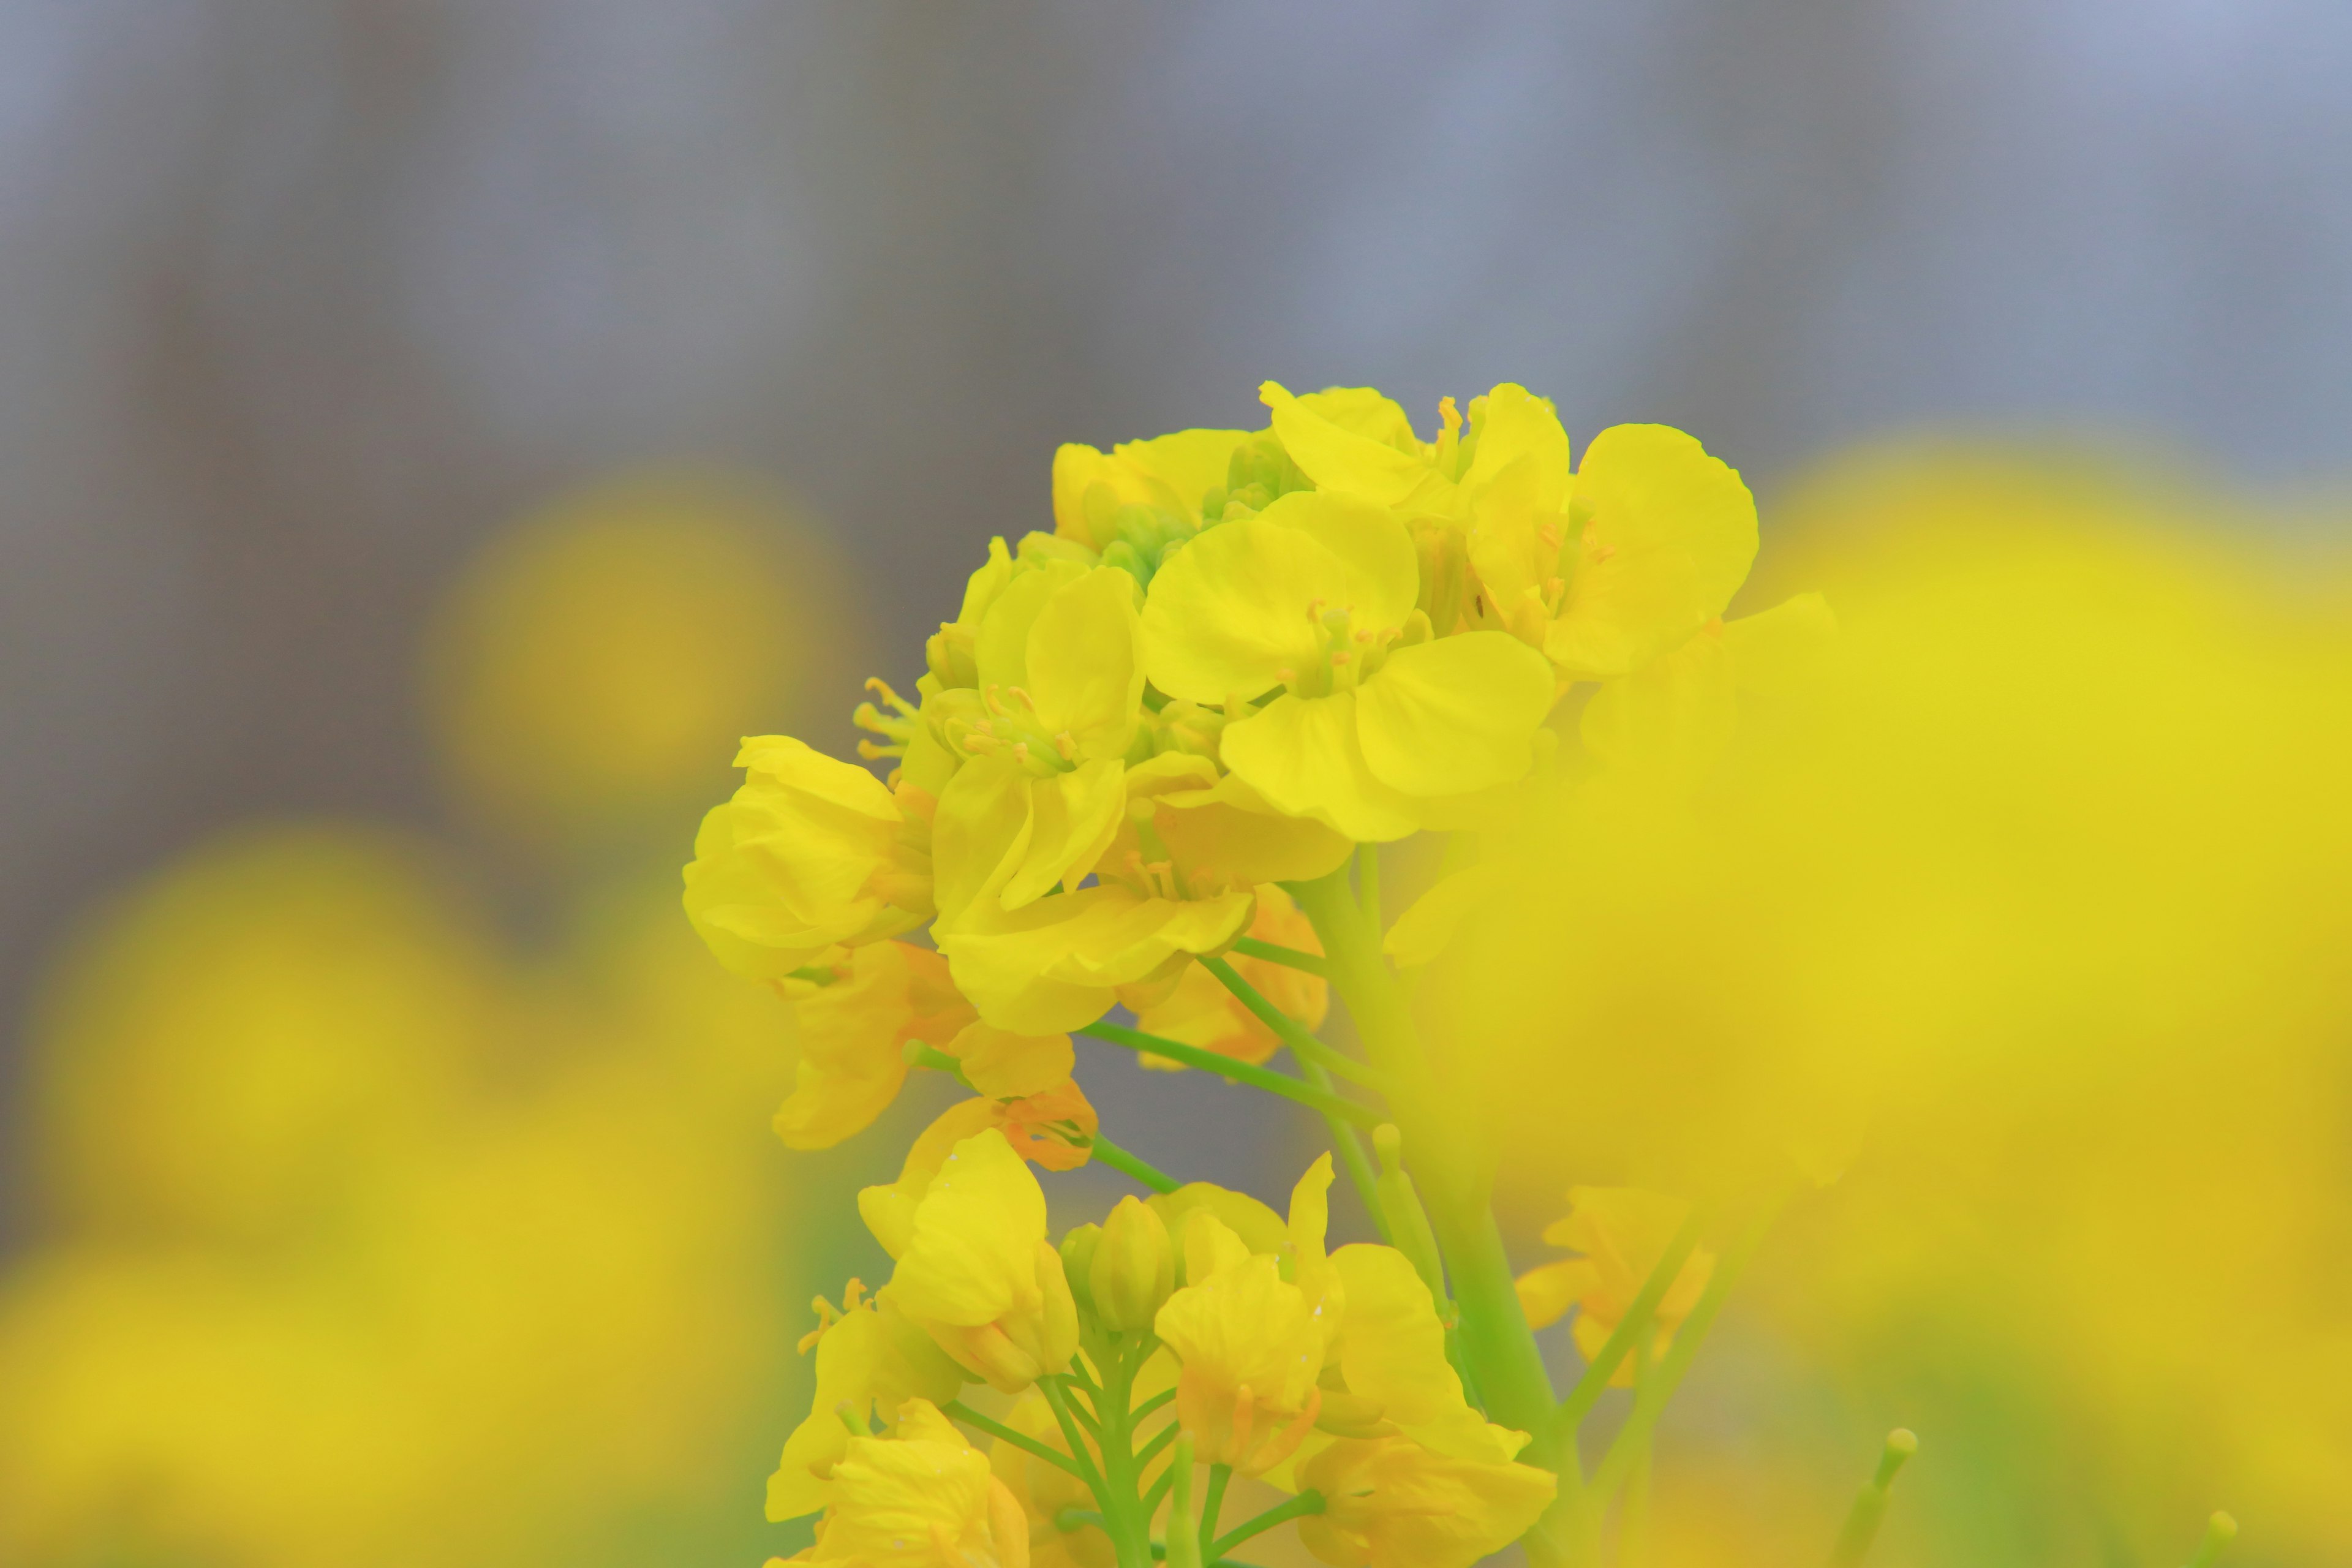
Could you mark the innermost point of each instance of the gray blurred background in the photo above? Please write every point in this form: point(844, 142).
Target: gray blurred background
point(298, 301)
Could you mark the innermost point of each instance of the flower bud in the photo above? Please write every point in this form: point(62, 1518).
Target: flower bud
point(1078, 1263)
point(1133, 1268)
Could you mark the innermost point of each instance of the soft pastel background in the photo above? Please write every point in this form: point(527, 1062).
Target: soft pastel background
point(433, 432)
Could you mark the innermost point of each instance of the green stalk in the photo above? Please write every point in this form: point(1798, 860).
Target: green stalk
point(957, 1410)
point(1135, 1165)
point(1299, 1507)
point(1275, 953)
point(1506, 1366)
point(1870, 1508)
point(1303, 1045)
point(1233, 1071)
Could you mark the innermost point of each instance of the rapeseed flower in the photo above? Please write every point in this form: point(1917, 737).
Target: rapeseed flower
point(1368, 719)
point(975, 1272)
point(923, 1497)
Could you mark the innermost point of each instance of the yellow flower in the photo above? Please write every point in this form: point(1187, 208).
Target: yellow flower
point(1201, 1012)
point(853, 1035)
point(1389, 1502)
point(1060, 963)
point(1623, 1233)
point(1313, 600)
point(868, 1357)
point(922, 1498)
point(1354, 441)
point(1250, 1343)
point(975, 1270)
point(809, 853)
point(1393, 1363)
point(1646, 545)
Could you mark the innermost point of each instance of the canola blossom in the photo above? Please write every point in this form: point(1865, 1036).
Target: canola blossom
point(1141, 796)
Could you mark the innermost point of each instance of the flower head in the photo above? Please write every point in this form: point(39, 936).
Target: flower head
point(975, 1270)
point(808, 854)
point(923, 1497)
point(1311, 605)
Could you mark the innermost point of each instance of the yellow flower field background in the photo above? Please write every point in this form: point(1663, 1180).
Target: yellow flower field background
point(405, 1196)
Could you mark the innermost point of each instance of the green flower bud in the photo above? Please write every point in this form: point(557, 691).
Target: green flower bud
point(1134, 1266)
point(1078, 1263)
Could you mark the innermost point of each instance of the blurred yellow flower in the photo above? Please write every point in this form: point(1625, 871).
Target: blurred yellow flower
point(1623, 1235)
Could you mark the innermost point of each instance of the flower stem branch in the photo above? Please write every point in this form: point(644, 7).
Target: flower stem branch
point(1234, 1071)
point(1131, 1165)
point(1306, 1502)
point(1288, 957)
point(956, 1409)
point(1303, 1043)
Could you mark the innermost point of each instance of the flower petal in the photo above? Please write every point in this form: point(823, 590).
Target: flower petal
point(1230, 611)
point(1303, 755)
point(1669, 537)
point(1454, 715)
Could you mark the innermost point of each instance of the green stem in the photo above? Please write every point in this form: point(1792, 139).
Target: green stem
point(1275, 953)
point(1235, 1071)
point(1213, 1500)
point(1505, 1363)
point(1135, 1165)
point(1152, 1404)
point(2220, 1530)
point(1302, 1043)
point(956, 1409)
point(1870, 1508)
point(1305, 1503)
point(1652, 1399)
point(1060, 1405)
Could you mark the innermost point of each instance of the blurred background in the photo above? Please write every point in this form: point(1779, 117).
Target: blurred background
point(434, 432)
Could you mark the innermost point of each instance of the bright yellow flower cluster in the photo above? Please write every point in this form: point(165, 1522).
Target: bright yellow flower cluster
point(1199, 1317)
point(1148, 768)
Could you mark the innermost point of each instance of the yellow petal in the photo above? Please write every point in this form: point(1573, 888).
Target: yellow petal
point(1230, 611)
point(1232, 832)
point(1083, 663)
point(1548, 1291)
point(1393, 1352)
point(1005, 1066)
point(1782, 650)
point(1304, 756)
point(788, 867)
point(1427, 929)
point(1669, 537)
point(1073, 817)
point(1382, 570)
point(1516, 426)
point(889, 1211)
point(1454, 715)
point(1352, 440)
point(1671, 720)
point(1396, 1504)
point(1055, 964)
point(980, 832)
point(1258, 1226)
point(971, 1257)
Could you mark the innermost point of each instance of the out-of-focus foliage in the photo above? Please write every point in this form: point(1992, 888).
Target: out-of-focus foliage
point(368, 1234)
point(2030, 918)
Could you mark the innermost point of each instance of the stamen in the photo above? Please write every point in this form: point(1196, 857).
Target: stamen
point(1066, 746)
